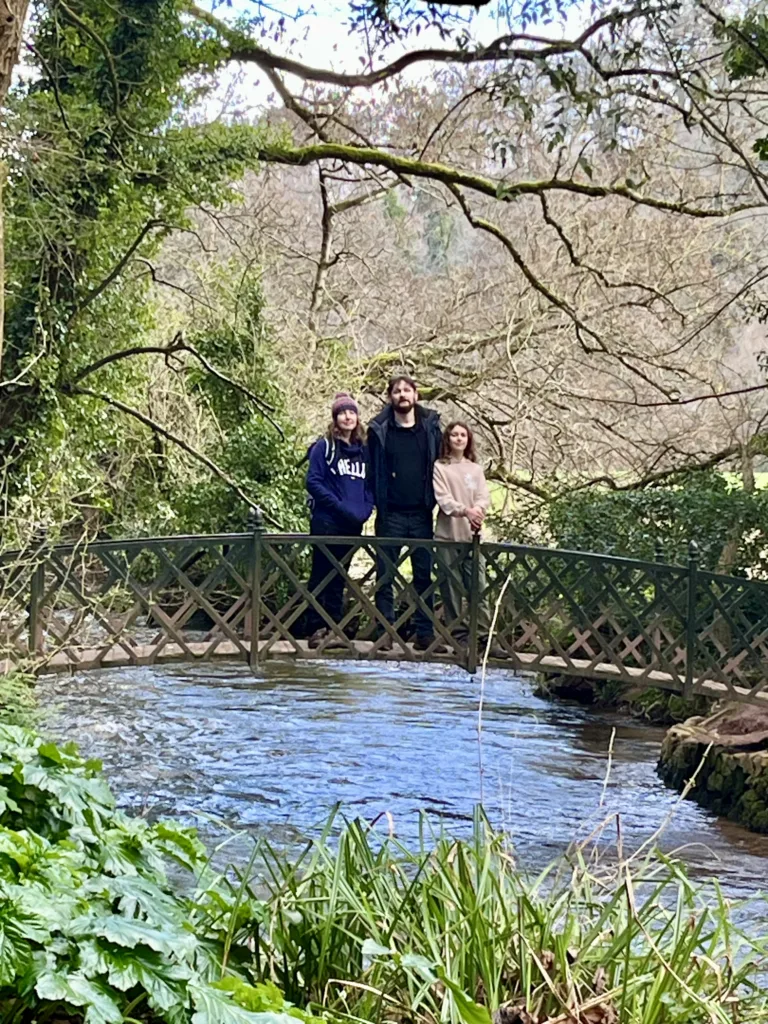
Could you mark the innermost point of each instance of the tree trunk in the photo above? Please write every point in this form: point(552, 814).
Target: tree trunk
point(12, 16)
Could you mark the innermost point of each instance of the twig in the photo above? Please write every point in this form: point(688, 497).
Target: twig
point(483, 673)
point(608, 767)
point(157, 428)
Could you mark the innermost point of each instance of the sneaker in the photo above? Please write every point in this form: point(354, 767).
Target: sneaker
point(496, 651)
point(335, 642)
point(318, 636)
point(385, 643)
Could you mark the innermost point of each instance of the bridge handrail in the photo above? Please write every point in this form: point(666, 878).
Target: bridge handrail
point(131, 543)
point(604, 615)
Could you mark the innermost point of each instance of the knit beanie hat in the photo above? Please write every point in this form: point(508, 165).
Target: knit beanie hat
point(342, 402)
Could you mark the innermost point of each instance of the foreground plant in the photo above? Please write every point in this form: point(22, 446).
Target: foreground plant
point(454, 932)
point(89, 926)
point(357, 927)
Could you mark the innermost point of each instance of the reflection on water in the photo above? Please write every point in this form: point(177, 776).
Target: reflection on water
point(271, 755)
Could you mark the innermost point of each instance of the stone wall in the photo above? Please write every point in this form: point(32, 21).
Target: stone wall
point(662, 707)
point(728, 755)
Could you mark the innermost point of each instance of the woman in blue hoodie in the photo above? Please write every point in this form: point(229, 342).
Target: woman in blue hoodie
point(341, 500)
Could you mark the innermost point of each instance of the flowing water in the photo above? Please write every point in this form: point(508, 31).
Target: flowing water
point(271, 755)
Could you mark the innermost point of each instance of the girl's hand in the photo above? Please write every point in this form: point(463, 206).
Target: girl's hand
point(475, 515)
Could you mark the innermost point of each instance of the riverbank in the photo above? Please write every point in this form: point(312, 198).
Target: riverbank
point(721, 762)
point(648, 704)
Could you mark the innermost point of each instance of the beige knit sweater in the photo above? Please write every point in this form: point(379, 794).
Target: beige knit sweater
point(458, 486)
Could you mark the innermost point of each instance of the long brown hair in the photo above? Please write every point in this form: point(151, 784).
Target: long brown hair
point(357, 436)
point(445, 447)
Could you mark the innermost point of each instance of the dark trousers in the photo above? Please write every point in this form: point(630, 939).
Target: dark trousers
point(410, 525)
point(331, 597)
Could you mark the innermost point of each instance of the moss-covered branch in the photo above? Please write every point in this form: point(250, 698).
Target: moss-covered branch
point(301, 156)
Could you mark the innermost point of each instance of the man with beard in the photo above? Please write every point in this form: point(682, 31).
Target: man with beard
point(404, 442)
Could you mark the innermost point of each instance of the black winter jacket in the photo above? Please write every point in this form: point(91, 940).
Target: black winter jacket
point(377, 452)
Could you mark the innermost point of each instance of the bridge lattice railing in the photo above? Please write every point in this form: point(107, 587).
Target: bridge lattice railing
point(248, 596)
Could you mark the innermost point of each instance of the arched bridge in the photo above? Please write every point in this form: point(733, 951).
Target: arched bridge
point(245, 596)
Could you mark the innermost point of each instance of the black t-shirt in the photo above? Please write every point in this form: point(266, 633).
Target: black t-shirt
point(407, 457)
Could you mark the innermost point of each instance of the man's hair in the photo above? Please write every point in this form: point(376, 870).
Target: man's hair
point(400, 378)
point(445, 447)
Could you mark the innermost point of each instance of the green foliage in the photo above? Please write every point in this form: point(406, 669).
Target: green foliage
point(746, 55)
point(747, 39)
point(452, 931)
point(90, 928)
point(666, 708)
point(18, 705)
point(260, 452)
point(109, 161)
point(705, 508)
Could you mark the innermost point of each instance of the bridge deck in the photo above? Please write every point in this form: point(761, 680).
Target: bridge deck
point(361, 650)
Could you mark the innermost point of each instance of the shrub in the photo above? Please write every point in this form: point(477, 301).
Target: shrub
point(89, 925)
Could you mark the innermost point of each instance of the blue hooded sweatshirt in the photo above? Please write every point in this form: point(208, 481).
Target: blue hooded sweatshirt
point(339, 485)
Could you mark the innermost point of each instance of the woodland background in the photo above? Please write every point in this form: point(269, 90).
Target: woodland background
point(557, 226)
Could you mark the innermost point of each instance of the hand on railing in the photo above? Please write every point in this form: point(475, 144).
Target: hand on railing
point(475, 515)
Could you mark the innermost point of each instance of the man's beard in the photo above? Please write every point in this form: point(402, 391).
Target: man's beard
point(404, 405)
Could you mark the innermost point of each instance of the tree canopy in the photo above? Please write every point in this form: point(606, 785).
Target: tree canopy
point(555, 228)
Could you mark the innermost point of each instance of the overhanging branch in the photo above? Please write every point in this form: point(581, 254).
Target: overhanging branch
point(302, 156)
point(176, 346)
point(157, 428)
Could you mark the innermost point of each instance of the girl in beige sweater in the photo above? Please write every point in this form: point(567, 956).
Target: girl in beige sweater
point(462, 496)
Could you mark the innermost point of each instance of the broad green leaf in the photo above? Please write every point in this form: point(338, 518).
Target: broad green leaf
point(372, 948)
point(77, 990)
point(212, 1006)
point(7, 802)
point(420, 964)
point(130, 933)
point(51, 753)
point(39, 909)
point(257, 998)
point(180, 843)
point(135, 894)
point(92, 958)
point(469, 1011)
point(162, 981)
point(35, 775)
point(14, 952)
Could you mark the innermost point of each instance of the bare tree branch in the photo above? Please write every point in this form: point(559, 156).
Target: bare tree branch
point(179, 345)
point(301, 156)
point(157, 428)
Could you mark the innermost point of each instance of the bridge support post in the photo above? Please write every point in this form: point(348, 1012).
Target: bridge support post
point(474, 606)
point(36, 639)
point(691, 632)
point(656, 658)
point(256, 525)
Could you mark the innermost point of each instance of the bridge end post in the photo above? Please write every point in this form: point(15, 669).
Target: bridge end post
point(474, 605)
point(656, 655)
point(36, 636)
point(691, 632)
point(256, 527)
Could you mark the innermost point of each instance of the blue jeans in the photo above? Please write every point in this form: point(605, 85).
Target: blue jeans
point(415, 525)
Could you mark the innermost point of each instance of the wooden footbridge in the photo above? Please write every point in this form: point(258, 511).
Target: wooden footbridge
point(245, 596)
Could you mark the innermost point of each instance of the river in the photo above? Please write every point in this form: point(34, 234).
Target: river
point(270, 755)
